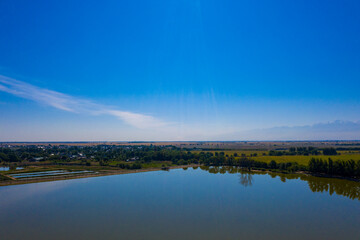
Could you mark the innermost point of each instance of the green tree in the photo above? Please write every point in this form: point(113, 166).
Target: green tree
point(273, 164)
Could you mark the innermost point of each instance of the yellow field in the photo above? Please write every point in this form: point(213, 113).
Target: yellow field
point(344, 155)
point(239, 152)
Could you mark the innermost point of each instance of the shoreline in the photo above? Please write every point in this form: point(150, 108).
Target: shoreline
point(101, 173)
point(320, 175)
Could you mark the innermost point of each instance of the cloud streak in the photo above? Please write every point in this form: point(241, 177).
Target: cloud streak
point(74, 104)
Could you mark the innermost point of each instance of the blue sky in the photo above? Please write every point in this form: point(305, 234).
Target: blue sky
point(175, 70)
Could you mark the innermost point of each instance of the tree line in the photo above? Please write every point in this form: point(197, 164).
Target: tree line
point(348, 168)
point(134, 157)
point(305, 151)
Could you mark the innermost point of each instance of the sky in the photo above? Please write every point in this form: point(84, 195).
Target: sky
point(179, 70)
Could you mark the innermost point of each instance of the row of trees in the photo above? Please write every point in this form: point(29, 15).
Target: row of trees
point(305, 151)
point(348, 168)
point(108, 153)
point(132, 157)
point(348, 189)
point(249, 164)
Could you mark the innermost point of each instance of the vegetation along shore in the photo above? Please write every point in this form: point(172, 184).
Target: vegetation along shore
point(47, 162)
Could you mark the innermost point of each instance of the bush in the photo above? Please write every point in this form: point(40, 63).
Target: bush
point(329, 151)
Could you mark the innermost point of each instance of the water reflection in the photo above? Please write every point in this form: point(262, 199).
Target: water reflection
point(246, 179)
point(6, 168)
point(347, 188)
point(177, 205)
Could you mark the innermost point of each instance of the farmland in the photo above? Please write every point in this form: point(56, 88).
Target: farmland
point(340, 158)
point(262, 156)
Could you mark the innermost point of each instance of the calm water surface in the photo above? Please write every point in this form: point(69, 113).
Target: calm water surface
point(8, 168)
point(216, 203)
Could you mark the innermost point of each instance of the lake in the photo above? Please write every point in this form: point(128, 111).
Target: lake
point(207, 203)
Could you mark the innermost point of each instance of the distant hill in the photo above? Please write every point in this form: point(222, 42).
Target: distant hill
point(337, 130)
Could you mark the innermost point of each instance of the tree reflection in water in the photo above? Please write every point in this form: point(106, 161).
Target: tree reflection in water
point(246, 179)
point(343, 187)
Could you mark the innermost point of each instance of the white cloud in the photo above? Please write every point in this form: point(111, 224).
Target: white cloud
point(73, 104)
point(137, 120)
point(157, 129)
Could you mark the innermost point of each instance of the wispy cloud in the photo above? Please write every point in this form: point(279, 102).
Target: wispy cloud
point(74, 104)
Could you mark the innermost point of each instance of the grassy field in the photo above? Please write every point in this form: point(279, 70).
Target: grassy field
point(153, 164)
point(112, 166)
point(303, 160)
point(232, 152)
